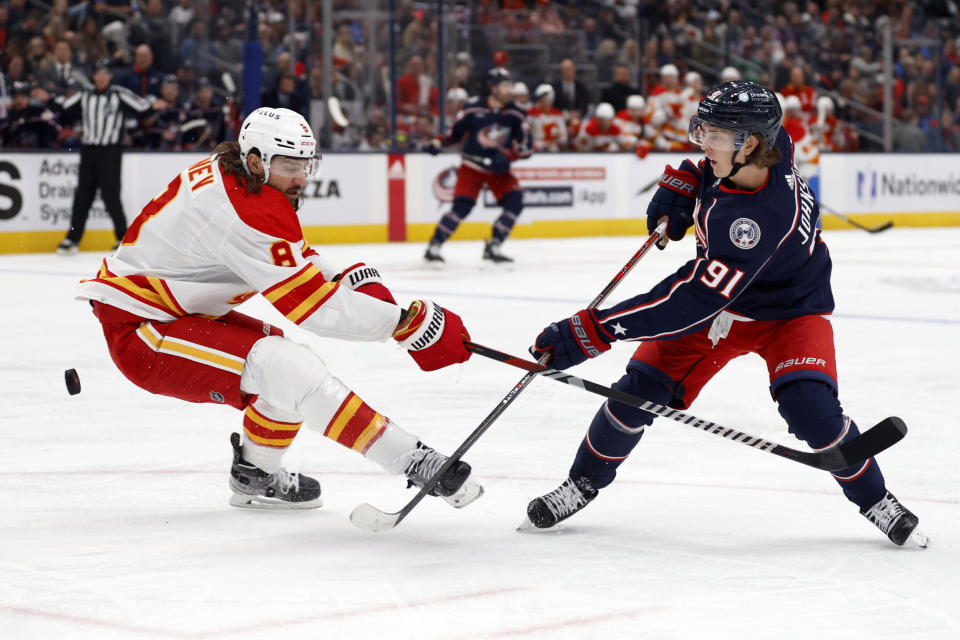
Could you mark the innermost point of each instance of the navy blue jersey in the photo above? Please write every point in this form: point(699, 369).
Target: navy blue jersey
point(486, 132)
point(759, 256)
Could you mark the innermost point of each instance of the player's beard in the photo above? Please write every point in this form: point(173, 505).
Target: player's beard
point(293, 195)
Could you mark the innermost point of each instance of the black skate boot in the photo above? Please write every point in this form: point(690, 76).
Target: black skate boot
point(432, 253)
point(456, 486)
point(896, 521)
point(255, 488)
point(492, 252)
point(559, 504)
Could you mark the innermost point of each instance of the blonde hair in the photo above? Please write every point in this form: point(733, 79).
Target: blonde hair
point(761, 156)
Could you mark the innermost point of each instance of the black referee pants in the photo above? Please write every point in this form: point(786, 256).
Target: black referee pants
point(99, 169)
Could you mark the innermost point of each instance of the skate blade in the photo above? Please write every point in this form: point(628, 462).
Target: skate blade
point(526, 526)
point(467, 493)
point(245, 501)
point(919, 538)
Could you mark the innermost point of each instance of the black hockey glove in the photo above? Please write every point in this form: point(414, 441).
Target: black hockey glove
point(434, 146)
point(675, 200)
point(499, 163)
point(572, 340)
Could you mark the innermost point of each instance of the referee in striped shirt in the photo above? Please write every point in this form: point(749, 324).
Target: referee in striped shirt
point(104, 108)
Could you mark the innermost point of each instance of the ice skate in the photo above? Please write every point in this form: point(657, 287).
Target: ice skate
point(896, 521)
point(493, 253)
point(255, 488)
point(432, 254)
point(561, 503)
point(456, 486)
point(67, 248)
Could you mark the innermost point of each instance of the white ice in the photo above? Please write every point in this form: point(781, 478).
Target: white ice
point(114, 520)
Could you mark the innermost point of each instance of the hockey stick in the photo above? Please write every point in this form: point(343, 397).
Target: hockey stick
point(336, 113)
point(881, 436)
point(368, 517)
point(648, 186)
point(882, 227)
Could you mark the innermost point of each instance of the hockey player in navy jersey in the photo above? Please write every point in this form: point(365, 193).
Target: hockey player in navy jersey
point(760, 283)
point(494, 132)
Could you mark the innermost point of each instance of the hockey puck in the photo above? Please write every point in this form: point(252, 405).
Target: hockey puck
point(72, 379)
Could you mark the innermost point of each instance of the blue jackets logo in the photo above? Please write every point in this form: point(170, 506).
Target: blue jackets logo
point(744, 233)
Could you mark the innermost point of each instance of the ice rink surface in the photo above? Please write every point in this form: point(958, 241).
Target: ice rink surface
point(115, 522)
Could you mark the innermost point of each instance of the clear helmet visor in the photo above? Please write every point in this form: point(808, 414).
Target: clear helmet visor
point(289, 167)
point(715, 138)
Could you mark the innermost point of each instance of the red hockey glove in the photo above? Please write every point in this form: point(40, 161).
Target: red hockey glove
point(365, 279)
point(675, 200)
point(572, 340)
point(433, 336)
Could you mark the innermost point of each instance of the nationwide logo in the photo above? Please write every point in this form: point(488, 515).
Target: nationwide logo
point(874, 184)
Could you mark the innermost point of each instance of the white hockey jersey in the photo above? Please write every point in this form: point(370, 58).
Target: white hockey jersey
point(203, 246)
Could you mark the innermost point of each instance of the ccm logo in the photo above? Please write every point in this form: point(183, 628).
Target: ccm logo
point(675, 183)
point(797, 362)
point(583, 338)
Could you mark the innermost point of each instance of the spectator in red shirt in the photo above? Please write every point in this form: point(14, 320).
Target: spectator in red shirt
point(798, 87)
point(414, 93)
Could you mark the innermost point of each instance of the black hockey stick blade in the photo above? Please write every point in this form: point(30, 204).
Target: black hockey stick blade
point(881, 227)
point(882, 436)
point(878, 438)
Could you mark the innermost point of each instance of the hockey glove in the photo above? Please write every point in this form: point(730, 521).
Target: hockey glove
point(434, 146)
point(499, 163)
point(572, 340)
point(363, 278)
point(675, 200)
point(433, 336)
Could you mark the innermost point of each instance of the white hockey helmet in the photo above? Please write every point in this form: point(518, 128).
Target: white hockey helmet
point(729, 74)
point(824, 104)
point(276, 132)
point(669, 70)
point(636, 102)
point(520, 89)
point(693, 79)
point(457, 94)
point(792, 103)
point(542, 91)
point(604, 111)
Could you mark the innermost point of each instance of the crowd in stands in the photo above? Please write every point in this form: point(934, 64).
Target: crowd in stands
point(602, 75)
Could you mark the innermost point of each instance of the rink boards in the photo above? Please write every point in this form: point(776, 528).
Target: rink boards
point(380, 197)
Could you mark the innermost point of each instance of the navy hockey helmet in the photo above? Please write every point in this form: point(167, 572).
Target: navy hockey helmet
point(495, 76)
point(741, 107)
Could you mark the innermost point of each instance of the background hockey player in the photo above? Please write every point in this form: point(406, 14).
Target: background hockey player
point(493, 132)
point(760, 283)
point(548, 126)
point(226, 229)
point(602, 132)
point(632, 120)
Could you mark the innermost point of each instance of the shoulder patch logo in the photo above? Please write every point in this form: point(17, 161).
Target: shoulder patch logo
point(744, 233)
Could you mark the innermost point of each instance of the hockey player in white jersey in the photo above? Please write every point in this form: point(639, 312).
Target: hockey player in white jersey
point(226, 229)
